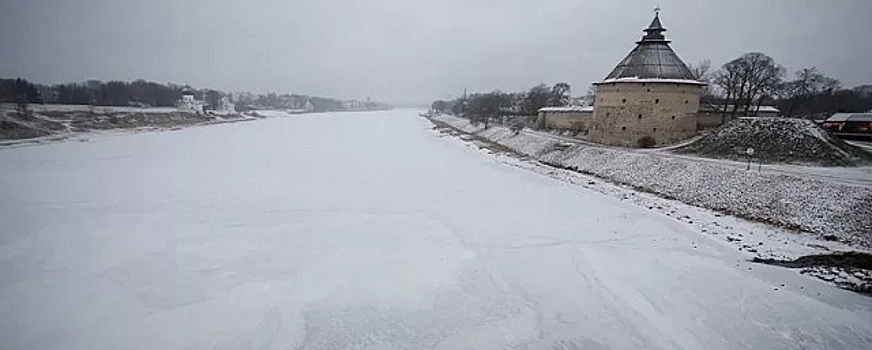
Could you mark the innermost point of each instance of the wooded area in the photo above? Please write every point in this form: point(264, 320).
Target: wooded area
point(484, 107)
point(141, 93)
point(755, 79)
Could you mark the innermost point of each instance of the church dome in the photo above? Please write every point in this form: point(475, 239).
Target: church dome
point(652, 59)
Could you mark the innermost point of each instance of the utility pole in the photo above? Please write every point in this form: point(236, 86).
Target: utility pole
point(750, 153)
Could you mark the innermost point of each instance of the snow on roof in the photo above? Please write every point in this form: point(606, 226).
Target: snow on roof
point(567, 109)
point(839, 117)
point(850, 117)
point(649, 80)
point(729, 108)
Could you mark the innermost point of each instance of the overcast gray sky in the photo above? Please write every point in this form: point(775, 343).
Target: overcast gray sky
point(404, 51)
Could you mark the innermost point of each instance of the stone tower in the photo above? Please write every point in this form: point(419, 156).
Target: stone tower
point(650, 98)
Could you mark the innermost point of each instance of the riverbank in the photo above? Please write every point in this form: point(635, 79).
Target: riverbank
point(758, 215)
point(831, 210)
point(47, 123)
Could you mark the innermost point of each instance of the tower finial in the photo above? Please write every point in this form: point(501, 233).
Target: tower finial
point(655, 30)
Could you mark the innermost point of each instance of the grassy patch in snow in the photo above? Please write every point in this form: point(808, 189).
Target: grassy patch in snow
point(848, 270)
point(842, 259)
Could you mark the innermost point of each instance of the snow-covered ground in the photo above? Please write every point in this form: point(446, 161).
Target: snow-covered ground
point(369, 231)
point(836, 209)
point(854, 176)
point(867, 145)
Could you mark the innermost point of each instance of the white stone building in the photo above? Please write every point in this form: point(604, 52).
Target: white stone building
point(226, 106)
point(190, 104)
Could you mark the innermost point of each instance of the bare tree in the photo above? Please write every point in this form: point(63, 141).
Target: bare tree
point(213, 99)
point(727, 79)
point(590, 97)
point(560, 95)
point(440, 106)
point(535, 99)
point(24, 93)
point(702, 71)
point(749, 80)
point(809, 83)
point(485, 107)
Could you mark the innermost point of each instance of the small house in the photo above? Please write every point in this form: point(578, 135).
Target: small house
point(190, 104)
point(858, 125)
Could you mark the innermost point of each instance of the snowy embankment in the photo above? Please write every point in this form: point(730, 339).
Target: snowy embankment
point(58, 122)
point(830, 210)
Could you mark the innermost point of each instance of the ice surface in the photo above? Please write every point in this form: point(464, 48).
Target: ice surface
point(367, 231)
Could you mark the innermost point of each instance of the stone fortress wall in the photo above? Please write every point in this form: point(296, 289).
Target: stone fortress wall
point(626, 112)
point(570, 118)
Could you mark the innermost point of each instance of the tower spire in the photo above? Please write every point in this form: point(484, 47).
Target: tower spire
point(652, 58)
point(654, 32)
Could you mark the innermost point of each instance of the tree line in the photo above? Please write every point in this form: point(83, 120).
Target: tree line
point(740, 85)
point(755, 79)
point(141, 93)
point(487, 107)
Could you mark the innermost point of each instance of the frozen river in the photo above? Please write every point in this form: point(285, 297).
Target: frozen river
point(367, 231)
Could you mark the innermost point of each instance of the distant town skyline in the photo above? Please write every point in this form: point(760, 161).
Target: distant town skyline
point(411, 51)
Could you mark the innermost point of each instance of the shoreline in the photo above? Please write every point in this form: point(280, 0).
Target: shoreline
point(762, 241)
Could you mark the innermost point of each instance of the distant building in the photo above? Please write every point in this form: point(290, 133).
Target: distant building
point(190, 104)
point(864, 90)
point(305, 108)
point(225, 106)
point(581, 101)
point(354, 105)
point(850, 124)
point(711, 116)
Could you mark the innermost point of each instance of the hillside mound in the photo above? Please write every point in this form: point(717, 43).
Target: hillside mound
point(777, 140)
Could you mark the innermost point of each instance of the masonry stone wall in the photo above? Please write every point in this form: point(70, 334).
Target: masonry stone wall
point(707, 120)
point(626, 112)
point(563, 120)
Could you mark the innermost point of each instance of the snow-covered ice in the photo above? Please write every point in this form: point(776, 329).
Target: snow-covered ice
point(367, 231)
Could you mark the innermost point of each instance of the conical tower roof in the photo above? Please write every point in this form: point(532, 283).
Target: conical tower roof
point(652, 58)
